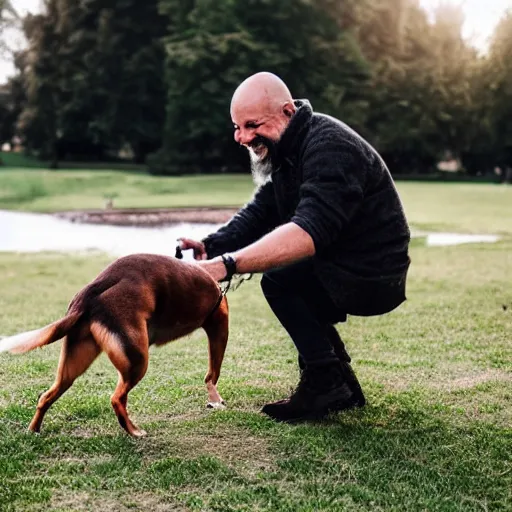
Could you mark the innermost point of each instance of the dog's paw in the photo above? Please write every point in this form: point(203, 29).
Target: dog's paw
point(139, 433)
point(216, 405)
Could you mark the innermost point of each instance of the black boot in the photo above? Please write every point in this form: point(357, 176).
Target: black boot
point(353, 384)
point(322, 389)
point(348, 373)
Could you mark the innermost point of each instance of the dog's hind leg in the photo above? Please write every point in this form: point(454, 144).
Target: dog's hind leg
point(217, 329)
point(131, 360)
point(76, 355)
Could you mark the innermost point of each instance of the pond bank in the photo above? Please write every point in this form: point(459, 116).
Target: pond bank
point(121, 232)
point(155, 217)
point(34, 232)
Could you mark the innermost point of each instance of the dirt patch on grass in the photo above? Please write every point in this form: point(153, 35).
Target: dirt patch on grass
point(471, 379)
point(234, 447)
point(450, 378)
point(81, 501)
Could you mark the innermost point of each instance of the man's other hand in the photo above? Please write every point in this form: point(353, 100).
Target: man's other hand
point(198, 248)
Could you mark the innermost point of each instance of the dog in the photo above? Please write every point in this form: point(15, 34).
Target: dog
point(137, 301)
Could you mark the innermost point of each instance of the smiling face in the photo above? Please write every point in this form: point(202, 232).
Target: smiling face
point(261, 109)
point(256, 122)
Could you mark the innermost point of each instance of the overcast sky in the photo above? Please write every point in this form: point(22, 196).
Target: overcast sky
point(481, 18)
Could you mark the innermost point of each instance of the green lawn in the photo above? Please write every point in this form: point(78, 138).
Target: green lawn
point(472, 208)
point(21, 160)
point(434, 436)
point(461, 207)
point(46, 191)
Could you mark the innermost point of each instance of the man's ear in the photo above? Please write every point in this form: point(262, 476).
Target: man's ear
point(288, 109)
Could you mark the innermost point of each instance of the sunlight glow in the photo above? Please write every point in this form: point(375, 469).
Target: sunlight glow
point(482, 17)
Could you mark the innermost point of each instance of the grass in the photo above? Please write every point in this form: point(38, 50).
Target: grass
point(44, 190)
point(435, 435)
point(429, 206)
point(437, 373)
point(460, 207)
point(10, 159)
point(20, 160)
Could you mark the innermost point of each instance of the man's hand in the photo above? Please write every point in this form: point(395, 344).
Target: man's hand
point(214, 267)
point(198, 247)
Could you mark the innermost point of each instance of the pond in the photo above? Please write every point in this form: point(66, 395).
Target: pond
point(34, 232)
point(30, 232)
point(434, 239)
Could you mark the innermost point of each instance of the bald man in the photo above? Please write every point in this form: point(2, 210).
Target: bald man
point(325, 227)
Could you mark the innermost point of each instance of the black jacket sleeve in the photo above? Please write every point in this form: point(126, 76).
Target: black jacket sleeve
point(331, 192)
point(255, 219)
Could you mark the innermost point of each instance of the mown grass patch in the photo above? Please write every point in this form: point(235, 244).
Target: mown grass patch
point(47, 191)
point(435, 434)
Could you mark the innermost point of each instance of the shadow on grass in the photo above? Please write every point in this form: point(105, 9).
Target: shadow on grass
point(398, 454)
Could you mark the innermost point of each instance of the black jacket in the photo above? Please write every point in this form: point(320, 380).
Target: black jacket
point(334, 185)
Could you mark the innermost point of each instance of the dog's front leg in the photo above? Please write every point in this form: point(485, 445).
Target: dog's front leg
point(217, 329)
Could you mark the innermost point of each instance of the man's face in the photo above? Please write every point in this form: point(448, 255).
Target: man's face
point(259, 130)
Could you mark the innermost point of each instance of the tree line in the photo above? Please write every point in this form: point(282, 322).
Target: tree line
point(154, 80)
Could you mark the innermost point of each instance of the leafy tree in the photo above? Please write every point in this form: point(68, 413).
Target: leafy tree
point(9, 18)
point(498, 73)
point(424, 102)
point(39, 120)
point(9, 111)
point(101, 75)
point(125, 71)
point(95, 78)
point(454, 99)
point(213, 46)
point(12, 100)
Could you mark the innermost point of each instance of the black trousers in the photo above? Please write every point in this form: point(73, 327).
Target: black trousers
point(305, 310)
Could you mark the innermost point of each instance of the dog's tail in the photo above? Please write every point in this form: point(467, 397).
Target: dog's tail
point(30, 340)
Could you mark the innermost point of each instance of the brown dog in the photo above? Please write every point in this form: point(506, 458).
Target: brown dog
point(137, 301)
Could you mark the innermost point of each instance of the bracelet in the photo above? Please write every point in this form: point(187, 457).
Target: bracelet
point(230, 264)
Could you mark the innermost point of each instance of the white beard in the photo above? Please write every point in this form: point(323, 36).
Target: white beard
point(261, 168)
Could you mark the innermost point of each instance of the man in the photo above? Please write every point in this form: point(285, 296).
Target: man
point(325, 227)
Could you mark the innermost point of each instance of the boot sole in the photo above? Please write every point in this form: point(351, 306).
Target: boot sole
point(316, 415)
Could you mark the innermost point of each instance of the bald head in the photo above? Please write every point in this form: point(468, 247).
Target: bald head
point(264, 89)
point(261, 105)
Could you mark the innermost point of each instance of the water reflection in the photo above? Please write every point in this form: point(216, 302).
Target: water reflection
point(30, 232)
point(34, 232)
point(434, 239)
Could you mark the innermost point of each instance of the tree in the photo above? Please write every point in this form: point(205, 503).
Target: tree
point(423, 101)
point(9, 18)
point(498, 74)
point(9, 108)
point(455, 102)
point(39, 121)
point(94, 79)
point(213, 46)
point(12, 100)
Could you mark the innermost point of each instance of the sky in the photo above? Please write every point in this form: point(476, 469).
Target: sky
point(481, 18)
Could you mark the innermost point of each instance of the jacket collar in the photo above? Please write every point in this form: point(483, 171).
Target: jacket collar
point(293, 135)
